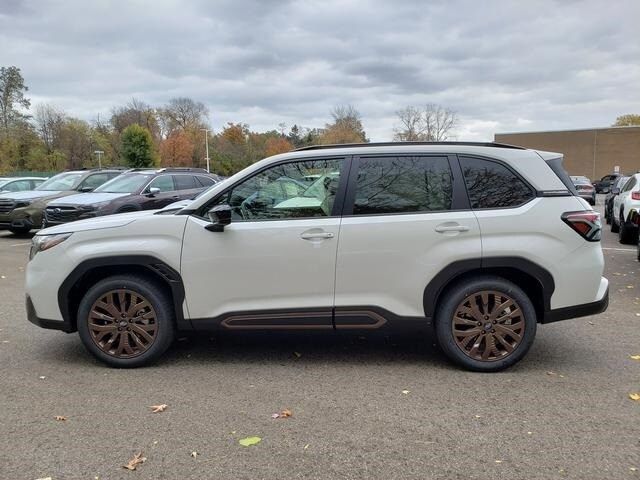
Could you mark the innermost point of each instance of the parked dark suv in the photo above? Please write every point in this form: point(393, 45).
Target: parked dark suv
point(604, 184)
point(22, 211)
point(137, 189)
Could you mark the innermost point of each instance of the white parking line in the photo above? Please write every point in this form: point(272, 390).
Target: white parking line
point(620, 249)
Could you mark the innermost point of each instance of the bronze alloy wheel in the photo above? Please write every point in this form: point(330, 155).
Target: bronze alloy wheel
point(123, 323)
point(488, 325)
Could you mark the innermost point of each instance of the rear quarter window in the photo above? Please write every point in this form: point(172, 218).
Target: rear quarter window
point(493, 185)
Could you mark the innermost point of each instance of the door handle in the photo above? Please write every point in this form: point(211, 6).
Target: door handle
point(316, 235)
point(451, 228)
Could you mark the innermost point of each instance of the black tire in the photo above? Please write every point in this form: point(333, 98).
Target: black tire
point(592, 202)
point(614, 225)
point(639, 250)
point(448, 307)
point(20, 230)
point(164, 318)
point(627, 233)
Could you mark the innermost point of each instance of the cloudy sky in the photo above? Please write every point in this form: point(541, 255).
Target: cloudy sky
point(502, 65)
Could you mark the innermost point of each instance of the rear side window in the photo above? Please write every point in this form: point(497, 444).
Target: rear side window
point(402, 185)
point(94, 181)
point(630, 184)
point(205, 181)
point(185, 182)
point(492, 185)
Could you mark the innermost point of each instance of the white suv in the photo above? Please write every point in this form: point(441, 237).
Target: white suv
point(626, 211)
point(480, 241)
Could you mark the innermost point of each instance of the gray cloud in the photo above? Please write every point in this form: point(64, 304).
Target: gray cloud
point(501, 65)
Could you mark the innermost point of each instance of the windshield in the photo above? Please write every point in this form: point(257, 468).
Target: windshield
point(62, 181)
point(3, 182)
point(128, 183)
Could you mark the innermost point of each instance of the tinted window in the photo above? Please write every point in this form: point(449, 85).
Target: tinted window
point(94, 181)
point(185, 182)
point(205, 181)
point(280, 192)
point(492, 185)
point(629, 185)
point(163, 182)
point(402, 185)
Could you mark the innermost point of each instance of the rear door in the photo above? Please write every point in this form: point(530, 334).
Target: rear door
point(406, 218)
point(186, 186)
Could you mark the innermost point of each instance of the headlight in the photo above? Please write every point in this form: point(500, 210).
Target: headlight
point(40, 243)
point(22, 203)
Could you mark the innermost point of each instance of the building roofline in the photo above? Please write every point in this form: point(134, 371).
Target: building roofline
point(567, 130)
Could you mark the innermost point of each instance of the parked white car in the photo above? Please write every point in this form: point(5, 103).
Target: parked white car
point(626, 207)
point(480, 241)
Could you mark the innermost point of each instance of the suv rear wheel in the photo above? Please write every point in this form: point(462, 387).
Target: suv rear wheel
point(627, 233)
point(126, 321)
point(485, 324)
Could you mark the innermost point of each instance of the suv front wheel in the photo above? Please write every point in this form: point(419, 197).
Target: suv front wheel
point(485, 324)
point(126, 321)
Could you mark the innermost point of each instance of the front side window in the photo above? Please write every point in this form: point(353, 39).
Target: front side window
point(492, 185)
point(402, 185)
point(94, 181)
point(163, 182)
point(281, 192)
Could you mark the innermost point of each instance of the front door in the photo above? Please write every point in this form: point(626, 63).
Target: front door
point(274, 265)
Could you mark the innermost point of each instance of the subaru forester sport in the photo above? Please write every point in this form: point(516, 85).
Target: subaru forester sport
point(479, 241)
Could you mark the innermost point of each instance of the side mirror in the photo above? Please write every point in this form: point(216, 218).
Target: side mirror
point(615, 191)
point(86, 189)
point(220, 216)
point(153, 191)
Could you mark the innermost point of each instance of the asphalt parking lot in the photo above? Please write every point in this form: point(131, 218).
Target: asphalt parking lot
point(363, 407)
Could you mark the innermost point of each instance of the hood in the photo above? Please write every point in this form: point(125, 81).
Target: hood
point(86, 199)
point(109, 221)
point(31, 194)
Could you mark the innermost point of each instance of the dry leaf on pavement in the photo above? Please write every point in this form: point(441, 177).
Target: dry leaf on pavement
point(194, 454)
point(635, 357)
point(135, 461)
point(60, 418)
point(158, 408)
point(406, 392)
point(635, 396)
point(283, 414)
point(247, 442)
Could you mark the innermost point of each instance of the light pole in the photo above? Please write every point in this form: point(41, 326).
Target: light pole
point(206, 146)
point(99, 153)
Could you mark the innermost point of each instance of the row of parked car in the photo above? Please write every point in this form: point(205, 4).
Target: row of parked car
point(28, 203)
point(621, 202)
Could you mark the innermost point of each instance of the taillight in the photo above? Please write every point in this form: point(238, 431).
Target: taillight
point(586, 223)
point(635, 195)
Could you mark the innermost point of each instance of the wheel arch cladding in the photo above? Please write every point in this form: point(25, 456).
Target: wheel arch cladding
point(533, 279)
point(87, 273)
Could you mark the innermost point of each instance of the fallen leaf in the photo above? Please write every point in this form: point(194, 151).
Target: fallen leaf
point(306, 446)
point(406, 392)
point(60, 418)
point(529, 433)
point(158, 408)
point(635, 357)
point(297, 354)
point(478, 416)
point(498, 461)
point(194, 454)
point(633, 469)
point(283, 414)
point(591, 323)
point(551, 373)
point(247, 442)
point(135, 461)
point(44, 478)
point(42, 377)
point(630, 286)
point(635, 396)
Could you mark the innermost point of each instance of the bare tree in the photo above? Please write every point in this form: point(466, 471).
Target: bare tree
point(431, 123)
point(49, 122)
point(183, 114)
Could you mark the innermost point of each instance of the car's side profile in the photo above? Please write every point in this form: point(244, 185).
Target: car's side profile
point(613, 192)
point(604, 184)
point(480, 241)
point(626, 206)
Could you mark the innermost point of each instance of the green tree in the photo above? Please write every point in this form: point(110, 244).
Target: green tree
point(12, 89)
point(627, 120)
point(137, 147)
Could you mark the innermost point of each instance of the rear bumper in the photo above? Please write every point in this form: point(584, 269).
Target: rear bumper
point(577, 311)
point(32, 316)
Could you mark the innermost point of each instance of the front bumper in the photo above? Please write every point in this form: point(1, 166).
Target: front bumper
point(21, 218)
point(32, 316)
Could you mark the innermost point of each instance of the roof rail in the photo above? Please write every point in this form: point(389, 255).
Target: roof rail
point(183, 169)
point(397, 144)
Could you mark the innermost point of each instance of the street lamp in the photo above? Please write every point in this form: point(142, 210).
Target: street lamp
point(206, 143)
point(99, 153)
